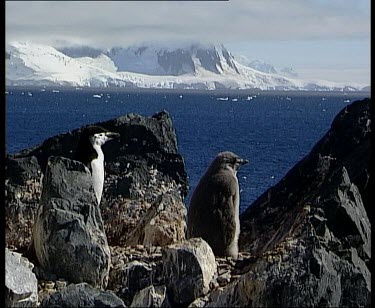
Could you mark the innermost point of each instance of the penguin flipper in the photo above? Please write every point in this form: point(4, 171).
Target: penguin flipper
point(226, 212)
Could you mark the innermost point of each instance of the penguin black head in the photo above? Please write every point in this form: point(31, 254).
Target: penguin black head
point(92, 137)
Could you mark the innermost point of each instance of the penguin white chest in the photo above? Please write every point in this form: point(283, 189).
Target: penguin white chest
point(237, 208)
point(97, 167)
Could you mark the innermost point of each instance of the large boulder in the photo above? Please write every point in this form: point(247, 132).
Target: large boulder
point(347, 144)
point(141, 165)
point(188, 269)
point(82, 295)
point(146, 143)
point(68, 234)
point(21, 285)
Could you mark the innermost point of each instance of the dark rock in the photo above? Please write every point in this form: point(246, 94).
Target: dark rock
point(22, 169)
point(23, 190)
point(345, 214)
point(311, 232)
point(134, 269)
point(68, 233)
point(131, 278)
point(42, 273)
point(347, 144)
point(136, 166)
point(297, 274)
point(151, 297)
point(82, 295)
point(21, 285)
point(152, 139)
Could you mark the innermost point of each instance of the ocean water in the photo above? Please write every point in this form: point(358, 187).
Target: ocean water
point(273, 130)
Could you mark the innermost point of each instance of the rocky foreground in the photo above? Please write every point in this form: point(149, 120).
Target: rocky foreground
point(304, 242)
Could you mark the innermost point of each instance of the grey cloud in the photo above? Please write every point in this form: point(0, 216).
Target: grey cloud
point(111, 23)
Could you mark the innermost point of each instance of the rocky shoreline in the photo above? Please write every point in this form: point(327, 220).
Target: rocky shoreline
point(304, 242)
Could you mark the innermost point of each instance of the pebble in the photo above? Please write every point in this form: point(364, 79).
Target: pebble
point(224, 279)
point(60, 284)
point(49, 285)
point(44, 293)
point(214, 284)
point(234, 277)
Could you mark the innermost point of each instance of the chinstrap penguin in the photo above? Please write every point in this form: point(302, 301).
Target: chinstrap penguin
point(213, 213)
point(90, 153)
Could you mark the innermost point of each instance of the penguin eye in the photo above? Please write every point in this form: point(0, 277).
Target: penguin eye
point(230, 161)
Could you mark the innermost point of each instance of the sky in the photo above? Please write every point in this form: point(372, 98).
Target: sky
point(319, 39)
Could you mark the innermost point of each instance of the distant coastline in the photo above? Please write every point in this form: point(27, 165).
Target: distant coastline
point(192, 91)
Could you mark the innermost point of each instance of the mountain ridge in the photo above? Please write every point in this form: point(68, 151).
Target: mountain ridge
point(194, 66)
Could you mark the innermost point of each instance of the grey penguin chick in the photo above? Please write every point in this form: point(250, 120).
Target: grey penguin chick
point(89, 152)
point(213, 212)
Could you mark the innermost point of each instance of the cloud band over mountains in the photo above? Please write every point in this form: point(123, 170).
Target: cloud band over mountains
point(125, 22)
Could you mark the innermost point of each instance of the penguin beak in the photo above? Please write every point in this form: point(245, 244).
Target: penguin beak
point(243, 161)
point(111, 135)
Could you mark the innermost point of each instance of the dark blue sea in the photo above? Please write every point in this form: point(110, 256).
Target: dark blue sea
point(274, 130)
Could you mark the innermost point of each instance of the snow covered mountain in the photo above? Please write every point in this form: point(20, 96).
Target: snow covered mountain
point(194, 66)
point(270, 69)
point(288, 71)
point(176, 61)
point(262, 67)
